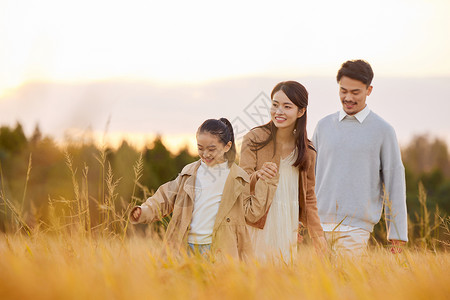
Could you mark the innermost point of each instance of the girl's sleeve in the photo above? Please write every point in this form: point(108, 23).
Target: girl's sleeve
point(160, 204)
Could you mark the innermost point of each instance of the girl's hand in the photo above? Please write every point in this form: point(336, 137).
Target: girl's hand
point(267, 171)
point(136, 213)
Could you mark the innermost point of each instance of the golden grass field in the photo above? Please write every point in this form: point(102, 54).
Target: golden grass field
point(70, 258)
point(67, 266)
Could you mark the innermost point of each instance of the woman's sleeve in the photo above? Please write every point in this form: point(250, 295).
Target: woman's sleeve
point(160, 204)
point(257, 202)
point(258, 193)
point(312, 214)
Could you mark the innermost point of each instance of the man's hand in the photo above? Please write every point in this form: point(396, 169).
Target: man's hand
point(396, 246)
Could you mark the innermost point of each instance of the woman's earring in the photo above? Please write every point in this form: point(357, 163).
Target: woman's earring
point(294, 131)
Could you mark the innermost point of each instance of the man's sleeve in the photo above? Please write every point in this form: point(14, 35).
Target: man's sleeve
point(393, 175)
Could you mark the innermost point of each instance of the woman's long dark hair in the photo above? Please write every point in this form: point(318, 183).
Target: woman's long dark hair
point(298, 94)
point(223, 129)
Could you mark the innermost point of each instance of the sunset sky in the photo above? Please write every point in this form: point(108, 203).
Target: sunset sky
point(194, 45)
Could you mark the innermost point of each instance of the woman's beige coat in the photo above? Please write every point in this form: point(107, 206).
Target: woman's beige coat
point(252, 161)
point(230, 234)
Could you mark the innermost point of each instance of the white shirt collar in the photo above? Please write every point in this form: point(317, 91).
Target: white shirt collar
point(216, 167)
point(360, 116)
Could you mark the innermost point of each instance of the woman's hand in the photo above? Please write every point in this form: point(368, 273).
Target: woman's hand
point(267, 171)
point(136, 213)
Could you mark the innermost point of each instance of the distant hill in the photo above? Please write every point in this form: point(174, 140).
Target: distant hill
point(411, 105)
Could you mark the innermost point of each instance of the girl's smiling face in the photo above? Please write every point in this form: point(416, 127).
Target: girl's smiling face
point(210, 149)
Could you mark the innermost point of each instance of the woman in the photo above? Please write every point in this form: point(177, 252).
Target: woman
point(279, 152)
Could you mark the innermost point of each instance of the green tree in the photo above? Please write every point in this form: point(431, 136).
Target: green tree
point(122, 162)
point(12, 141)
point(159, 165)
point(427, 160)
point(183, 158)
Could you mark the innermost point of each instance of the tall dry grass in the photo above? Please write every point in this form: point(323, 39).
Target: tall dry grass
point(65, 267)
point(70, 258)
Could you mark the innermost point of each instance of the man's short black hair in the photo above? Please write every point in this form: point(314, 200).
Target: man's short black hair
point(356, 69)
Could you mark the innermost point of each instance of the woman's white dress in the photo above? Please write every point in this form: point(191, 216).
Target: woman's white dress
point(277, 241)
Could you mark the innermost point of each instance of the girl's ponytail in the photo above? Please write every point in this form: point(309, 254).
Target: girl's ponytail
point(231, 154)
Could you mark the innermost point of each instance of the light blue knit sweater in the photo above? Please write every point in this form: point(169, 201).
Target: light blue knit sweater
point(354, 161)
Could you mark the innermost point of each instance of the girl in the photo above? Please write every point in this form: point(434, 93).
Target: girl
point(280, 153)
point(210, 199)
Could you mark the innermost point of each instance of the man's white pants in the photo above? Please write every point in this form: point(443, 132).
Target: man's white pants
point(351, 242)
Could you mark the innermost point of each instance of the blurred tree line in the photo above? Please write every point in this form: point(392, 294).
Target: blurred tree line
point(427, 160)
point(49, 177)
point(34, 171)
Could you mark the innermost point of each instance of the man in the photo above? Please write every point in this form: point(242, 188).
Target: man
point(358, 168)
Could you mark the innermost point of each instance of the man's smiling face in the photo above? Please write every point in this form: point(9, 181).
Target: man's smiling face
point(353, 95)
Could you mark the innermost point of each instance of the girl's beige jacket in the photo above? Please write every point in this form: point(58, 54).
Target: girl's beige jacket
point(230, 234)
point(252, 161)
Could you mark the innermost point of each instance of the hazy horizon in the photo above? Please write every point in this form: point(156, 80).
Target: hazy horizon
point(143, 109)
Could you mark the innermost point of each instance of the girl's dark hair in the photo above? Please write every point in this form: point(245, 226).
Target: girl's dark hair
point(223, 129)
point(298, 94)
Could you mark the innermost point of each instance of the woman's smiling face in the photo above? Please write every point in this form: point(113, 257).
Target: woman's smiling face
point(284, 112)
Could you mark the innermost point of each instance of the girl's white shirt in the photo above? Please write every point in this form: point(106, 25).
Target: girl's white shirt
point(209, 185)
